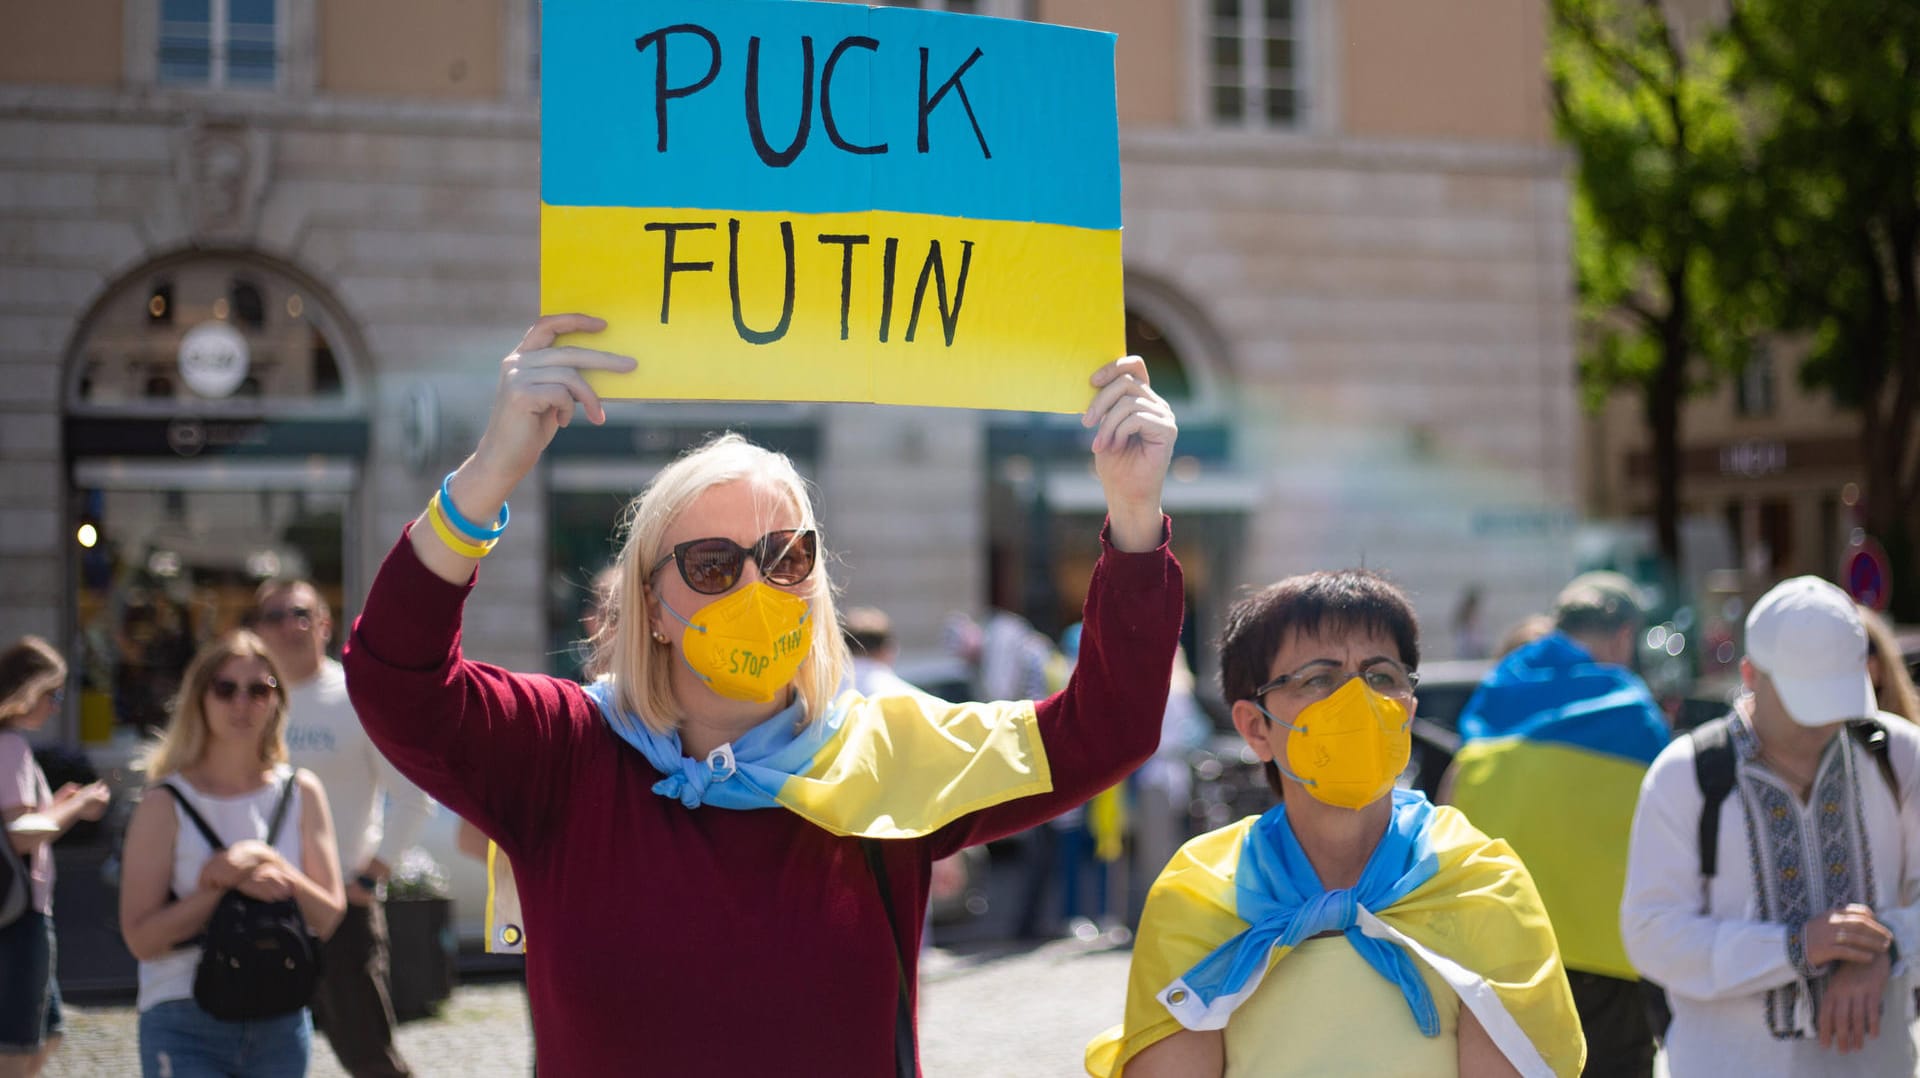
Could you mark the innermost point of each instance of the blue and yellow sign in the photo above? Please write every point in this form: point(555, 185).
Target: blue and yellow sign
point(783, 200)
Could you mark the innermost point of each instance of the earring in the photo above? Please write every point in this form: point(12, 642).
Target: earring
point(660, 637)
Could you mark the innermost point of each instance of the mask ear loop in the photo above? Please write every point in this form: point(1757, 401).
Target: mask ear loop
point(682, 652)
point(1282, 768)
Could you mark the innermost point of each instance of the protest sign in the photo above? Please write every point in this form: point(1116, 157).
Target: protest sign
point(788, 200)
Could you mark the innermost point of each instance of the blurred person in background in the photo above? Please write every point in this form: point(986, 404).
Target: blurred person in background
point(1164, 785)
point(32, 680)
point(1893, 684)
point(870, 643)
point(1524, 632)
point(225, 753)
point(1553, 747)
point(378, 814)
point(716, 812)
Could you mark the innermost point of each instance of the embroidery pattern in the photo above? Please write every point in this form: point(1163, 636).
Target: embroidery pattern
point(1790, 888)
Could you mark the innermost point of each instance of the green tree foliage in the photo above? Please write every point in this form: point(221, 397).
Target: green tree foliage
point(1833, 90)
point(1657, 225)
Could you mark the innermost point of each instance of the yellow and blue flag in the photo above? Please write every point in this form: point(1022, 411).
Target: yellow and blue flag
point(1234, 903)
point(1554, 746)
point(827, 201)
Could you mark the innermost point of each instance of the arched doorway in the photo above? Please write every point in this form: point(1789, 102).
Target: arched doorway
point(214, 432)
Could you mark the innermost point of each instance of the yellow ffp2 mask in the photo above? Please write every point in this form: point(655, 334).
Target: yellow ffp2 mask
point(1347, 749)
point(748, 645)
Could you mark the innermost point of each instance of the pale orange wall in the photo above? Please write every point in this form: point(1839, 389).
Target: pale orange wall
point(1147, 57)
point(1465, 69)
point(419, 48)
point(72, 42)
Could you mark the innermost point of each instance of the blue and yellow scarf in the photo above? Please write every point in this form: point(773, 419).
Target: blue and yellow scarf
point(1234, 903)
point(890, 767)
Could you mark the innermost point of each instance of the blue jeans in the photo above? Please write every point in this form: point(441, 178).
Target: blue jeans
point(29, 997)
point(179, 1040)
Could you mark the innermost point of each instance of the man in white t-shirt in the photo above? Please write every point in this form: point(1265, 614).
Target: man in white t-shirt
point(1792, 957)
point(376, 813)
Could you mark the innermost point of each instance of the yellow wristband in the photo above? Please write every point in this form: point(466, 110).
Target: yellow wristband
point(455, 543)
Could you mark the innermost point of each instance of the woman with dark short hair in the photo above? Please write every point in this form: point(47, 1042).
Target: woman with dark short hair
point(1355, 928)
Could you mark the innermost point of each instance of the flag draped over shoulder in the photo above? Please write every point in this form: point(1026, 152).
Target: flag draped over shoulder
point(1448, 897)
point(1554, 746)
point(890, 767)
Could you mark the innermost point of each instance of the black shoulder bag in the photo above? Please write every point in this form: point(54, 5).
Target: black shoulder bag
point(257, 959)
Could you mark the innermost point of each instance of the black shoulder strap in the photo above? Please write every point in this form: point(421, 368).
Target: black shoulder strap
point(206, 832)
point(1872, 736)
point(1713, 770)
point(280, 810)
point(273, 828)
point(903, 1012)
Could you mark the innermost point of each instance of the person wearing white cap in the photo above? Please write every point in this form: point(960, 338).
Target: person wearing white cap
point(1793, 958)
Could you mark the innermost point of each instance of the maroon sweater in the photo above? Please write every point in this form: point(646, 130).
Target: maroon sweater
point(711, 941)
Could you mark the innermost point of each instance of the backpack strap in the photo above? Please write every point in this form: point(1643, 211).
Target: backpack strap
point(1872, 737)
point(1713, 771)
point(280, 810)
point(213, 840)
point(198, 821)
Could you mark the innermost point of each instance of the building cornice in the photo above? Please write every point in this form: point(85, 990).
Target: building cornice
point(1291, 149)
point(169, 106)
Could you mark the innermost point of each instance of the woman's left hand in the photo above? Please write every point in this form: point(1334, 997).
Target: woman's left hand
point(1134, 431)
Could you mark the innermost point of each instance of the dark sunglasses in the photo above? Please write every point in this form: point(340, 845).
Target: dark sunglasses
point(227, 689)
point(711, 566)
point(275, 617)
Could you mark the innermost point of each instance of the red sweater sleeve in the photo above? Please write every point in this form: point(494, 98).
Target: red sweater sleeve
point(1106, 722)
point(492, 745)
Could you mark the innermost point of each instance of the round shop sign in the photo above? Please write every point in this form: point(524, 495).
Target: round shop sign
point(213, 359)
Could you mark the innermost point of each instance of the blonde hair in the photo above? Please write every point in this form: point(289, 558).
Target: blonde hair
point(28, 669)
point(185, 740)
point(624, 649)
point(1895, 691)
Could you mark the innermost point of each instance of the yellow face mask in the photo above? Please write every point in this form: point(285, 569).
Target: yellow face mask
point(748, 645)
point(1347, 749)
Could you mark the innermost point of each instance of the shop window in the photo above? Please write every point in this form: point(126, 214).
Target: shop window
point(1754, 390)
point(219, 43)
point(1253, 63)
point(162, 571)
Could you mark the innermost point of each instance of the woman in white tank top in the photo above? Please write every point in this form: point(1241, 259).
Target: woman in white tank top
point(225, 754)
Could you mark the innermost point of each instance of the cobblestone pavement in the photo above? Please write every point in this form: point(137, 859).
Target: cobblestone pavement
point(1044, 1004)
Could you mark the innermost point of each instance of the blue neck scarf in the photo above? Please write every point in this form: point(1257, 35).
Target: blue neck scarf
point(743, 774)
point(1281, 898)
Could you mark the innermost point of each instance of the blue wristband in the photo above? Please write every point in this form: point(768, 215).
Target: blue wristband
point(464, 526)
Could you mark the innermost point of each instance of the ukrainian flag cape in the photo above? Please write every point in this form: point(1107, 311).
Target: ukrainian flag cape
point(1554, 748)
point(1466, 908)
point(888, 767)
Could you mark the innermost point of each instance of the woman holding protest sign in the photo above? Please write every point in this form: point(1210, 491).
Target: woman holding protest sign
point(719, 819)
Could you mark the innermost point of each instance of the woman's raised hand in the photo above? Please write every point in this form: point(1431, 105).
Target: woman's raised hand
point(1134, 431)
point(540, 384)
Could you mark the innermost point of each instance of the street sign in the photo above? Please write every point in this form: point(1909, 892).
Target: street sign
point(1865, 575)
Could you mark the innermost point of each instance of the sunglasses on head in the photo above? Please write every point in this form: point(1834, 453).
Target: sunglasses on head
point(227, 689)
point(711, 566)
point(275, 617)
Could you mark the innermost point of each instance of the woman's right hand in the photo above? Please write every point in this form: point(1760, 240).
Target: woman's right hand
point(227, 868)
point(539, 386)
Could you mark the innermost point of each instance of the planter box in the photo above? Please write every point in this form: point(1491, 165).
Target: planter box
point(423, 947)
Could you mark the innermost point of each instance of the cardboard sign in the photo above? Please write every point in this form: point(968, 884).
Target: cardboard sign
point(785, 200)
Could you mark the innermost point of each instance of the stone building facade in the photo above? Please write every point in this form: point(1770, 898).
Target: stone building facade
point(1346, 242)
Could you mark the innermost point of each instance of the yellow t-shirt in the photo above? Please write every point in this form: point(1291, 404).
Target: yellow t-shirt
point(1325, 1011)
